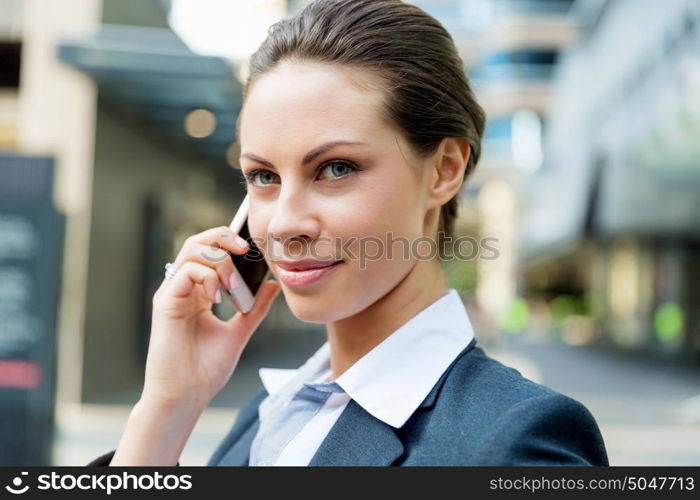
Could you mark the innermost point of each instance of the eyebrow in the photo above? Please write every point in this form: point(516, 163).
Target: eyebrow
point(308, 157)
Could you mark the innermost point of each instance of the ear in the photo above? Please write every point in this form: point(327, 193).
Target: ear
point(449, 163)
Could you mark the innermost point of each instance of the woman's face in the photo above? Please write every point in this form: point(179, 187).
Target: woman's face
point(344, 202)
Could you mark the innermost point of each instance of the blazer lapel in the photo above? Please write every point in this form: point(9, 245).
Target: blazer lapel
point(432, 396)
point(239, 453)
point(358, 438)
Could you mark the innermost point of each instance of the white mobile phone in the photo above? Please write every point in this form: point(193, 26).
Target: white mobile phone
point(250, 268)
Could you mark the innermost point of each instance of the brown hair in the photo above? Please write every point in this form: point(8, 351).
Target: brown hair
point(427, 95)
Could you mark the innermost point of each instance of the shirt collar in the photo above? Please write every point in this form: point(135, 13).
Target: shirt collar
point(386, 381)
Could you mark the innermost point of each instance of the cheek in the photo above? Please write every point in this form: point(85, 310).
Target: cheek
point(381, 253)
point(384, 208)
point(388, 200)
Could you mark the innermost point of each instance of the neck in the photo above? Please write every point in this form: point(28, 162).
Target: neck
point(353, 337)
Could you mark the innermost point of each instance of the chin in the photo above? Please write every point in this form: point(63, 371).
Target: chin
point(310, 309)
point(319, 308)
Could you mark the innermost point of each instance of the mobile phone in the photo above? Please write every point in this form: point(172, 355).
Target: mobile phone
point(250, 268)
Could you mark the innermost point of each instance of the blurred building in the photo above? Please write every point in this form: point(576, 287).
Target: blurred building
point(588, 177)
point(510, 49)
point(164, 119)
point(142, 132)
point(612, 216)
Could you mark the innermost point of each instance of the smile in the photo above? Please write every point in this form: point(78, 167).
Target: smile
point(305, 273)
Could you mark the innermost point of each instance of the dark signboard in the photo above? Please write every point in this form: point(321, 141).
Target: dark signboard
point(31, 242)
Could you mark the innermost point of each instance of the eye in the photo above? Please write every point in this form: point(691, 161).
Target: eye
point(264, 176)
point(338, 168)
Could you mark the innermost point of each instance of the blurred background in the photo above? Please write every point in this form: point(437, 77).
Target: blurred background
point(117, 141)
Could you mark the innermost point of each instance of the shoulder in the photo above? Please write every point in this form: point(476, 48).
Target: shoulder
point(477, 376)
point(503, 418)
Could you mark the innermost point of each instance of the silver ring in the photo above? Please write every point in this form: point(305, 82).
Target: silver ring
point(170, 270)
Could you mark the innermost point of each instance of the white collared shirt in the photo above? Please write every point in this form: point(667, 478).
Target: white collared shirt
point(389, 382)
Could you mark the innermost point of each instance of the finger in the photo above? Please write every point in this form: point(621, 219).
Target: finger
point(216, 258)
point(248, 322)
point(213, 245)
point(224, 236)
point(190, 274)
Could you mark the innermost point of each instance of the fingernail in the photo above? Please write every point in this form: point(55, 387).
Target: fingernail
point(241, 242)
point(217, 297)
point(233, 282)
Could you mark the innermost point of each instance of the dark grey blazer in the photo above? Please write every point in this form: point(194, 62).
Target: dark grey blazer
point(480, 412)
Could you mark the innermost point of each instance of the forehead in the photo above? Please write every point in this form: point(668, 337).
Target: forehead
point(304, 103)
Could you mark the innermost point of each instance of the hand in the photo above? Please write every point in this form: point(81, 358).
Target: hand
point(192, 353)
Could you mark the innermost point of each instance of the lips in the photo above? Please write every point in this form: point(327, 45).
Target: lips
point(305, 264)
point(304, 273)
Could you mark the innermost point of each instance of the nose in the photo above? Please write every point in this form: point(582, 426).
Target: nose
point(293, 224)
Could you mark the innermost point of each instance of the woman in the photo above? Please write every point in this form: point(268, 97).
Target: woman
point(358, 126)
